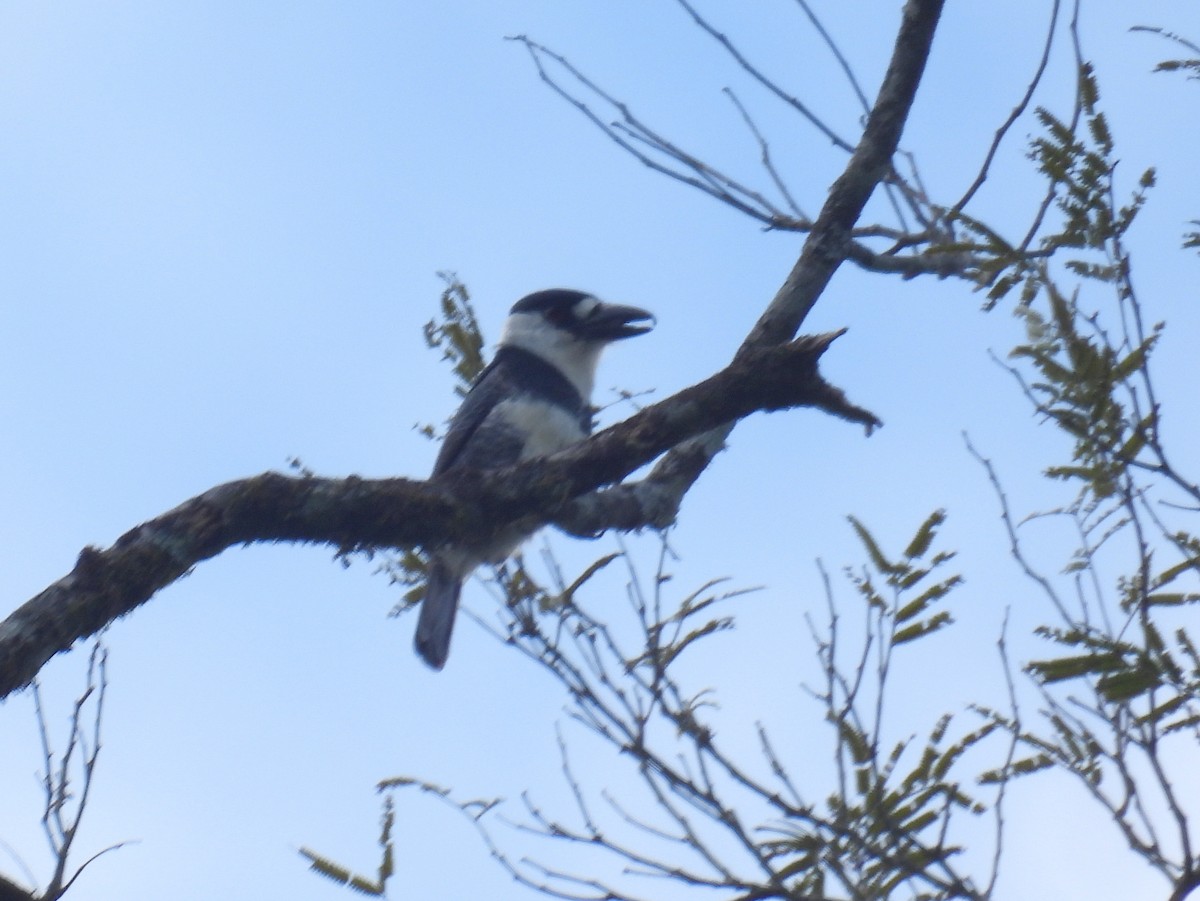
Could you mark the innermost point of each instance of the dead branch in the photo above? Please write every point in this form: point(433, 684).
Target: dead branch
point(828, 245)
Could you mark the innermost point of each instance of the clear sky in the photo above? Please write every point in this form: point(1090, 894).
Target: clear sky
point(220, 228)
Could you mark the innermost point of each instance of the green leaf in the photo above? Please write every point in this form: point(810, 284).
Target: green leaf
point(1188, 722)
point(925, 535)
point(325, 866)
point(672, 651)
point(1018, 768)
point(856, 742)
point(1089, 90)
point(1098, 126)
point(919, 630)
point(802, 863)
point(587, 574)
point(1134, 361)
point(1003, 286)
point(878, 560)
point(1171, 599)
point(862, 780)
point(1128, 684)
point(1131, 448)
point(1156, 713)
point(1063, 668)
point(331, 870)
point(365, 886)
point(457, 334)
point(935, 593)
point(1172, 573)
point(956, 750)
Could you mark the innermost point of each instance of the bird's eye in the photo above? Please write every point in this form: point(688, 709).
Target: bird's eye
point(585, 307)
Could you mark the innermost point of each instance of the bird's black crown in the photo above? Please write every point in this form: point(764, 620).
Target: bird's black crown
point(584, 316)
point(549, 300)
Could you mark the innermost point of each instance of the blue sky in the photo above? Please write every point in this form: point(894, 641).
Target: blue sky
point(220, 228)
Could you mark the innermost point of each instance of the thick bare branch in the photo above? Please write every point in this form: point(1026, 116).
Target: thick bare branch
point(652, 502)
point(827, 246)
point(10, 891)
point(355, 513)
point(829, 242)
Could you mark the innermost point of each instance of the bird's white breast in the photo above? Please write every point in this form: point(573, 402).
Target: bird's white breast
point(545, 427)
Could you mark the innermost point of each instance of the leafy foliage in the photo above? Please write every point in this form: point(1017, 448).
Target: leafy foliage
point(1190, 65)
point(1118, 685)
point(895, 802)
point(375, 888)
point(1120, 688)
point(1084, 385)
point(456, 333)
point(885, 822)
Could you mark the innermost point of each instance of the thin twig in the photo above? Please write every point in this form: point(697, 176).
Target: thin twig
point(768, 83)
point(765, 156)
point(837, 54)
point(1017, 112)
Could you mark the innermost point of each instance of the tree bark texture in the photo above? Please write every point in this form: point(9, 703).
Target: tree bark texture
point(771, 371)
point(352, 513)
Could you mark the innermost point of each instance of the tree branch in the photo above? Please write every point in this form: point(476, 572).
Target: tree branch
point(826, 247)
point(354, 513)
point(828, 243)
point(770, 372)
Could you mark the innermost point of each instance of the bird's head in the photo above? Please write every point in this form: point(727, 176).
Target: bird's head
point(570, 328)
point(579, 315)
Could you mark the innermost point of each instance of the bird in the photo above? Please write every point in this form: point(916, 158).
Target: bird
point(532, 400)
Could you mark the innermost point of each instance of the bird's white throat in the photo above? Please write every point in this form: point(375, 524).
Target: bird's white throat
point(574, 358)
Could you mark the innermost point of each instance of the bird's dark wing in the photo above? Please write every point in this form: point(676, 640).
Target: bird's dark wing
point(469, 435)
point(478, 440)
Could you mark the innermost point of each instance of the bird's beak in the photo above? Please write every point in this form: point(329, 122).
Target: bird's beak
point(612, 322)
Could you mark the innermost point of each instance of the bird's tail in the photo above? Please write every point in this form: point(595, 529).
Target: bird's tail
point(436, 621)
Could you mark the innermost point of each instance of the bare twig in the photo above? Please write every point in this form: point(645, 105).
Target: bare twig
point(647, 146)
point(65, 807)
point(837, 54)
point(828, 244)
point(767, 162)
point(1010, 528)
point(770, 84)
point(1005, 774)
point(1017, 112)
point(1052, 192)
